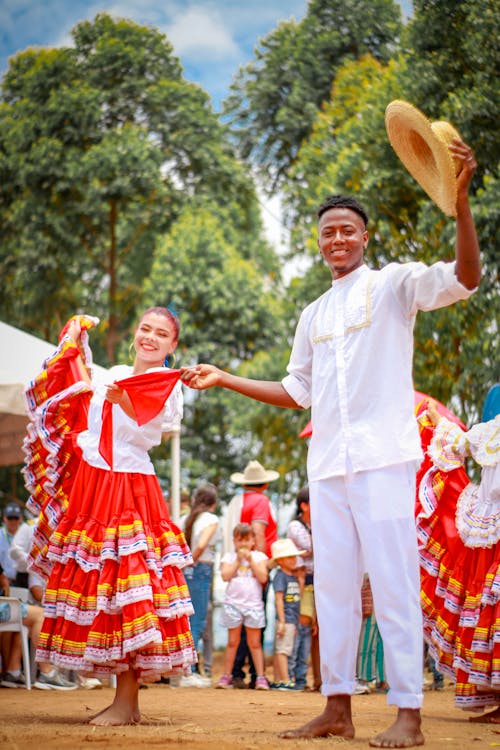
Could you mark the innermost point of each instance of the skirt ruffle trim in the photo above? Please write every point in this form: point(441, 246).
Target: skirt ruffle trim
point(57, 403)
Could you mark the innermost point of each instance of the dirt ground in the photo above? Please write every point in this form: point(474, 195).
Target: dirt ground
point(209, 719)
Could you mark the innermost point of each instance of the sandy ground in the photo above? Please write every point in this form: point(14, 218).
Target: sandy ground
point(209, 719)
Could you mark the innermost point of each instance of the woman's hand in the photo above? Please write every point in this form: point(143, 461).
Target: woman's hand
point(74, 330)
point(432, 412)
point(117, 395)
point(114, 393)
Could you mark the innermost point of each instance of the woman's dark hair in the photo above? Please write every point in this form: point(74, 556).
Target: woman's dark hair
point(302, 497)
point(343, 201)
point(203, 499)
point(166, 314)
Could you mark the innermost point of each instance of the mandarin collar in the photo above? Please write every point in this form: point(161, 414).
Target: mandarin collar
point(351, 277)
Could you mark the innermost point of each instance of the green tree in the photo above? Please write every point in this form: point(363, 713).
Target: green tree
point(452, 53)
point(274, 99)
point(100, 146)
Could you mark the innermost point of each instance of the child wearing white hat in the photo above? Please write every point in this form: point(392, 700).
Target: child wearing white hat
point(287, 583)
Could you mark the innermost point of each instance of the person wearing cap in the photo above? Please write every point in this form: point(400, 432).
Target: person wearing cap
point(12, 519)
point(253, 507)
point(351, 362)
point(288, 585)
point(257, 509)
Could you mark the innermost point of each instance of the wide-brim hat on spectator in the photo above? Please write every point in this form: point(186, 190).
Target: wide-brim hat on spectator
point(422, 146)
point(254, 473)
point(12, 510)
point(285, 548)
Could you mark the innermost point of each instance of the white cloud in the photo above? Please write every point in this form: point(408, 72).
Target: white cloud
point(200, 33)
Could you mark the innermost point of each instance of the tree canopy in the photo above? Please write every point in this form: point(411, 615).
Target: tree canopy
point(274, 98)
point(101, 145)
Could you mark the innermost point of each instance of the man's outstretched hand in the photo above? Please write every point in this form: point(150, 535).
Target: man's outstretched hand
point(201, 377)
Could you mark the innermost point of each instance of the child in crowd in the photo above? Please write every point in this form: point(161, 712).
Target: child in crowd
point(245, 571)
point(287, 584)
point(370, 663)
point(306, 645)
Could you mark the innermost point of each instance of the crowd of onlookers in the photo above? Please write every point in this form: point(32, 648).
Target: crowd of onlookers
point(17, 582)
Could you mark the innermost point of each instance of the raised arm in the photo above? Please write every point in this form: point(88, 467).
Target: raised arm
point(271, 392)
point(468, 264)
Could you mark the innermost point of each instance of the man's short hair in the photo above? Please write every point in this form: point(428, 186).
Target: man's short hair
point(343, 201)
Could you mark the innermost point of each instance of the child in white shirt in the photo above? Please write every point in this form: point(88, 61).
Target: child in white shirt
point(245, 571)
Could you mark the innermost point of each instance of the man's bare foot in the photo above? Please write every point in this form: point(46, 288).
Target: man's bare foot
point(336, 720)
point(114, 716)
point(492, 718)
point(405, 732)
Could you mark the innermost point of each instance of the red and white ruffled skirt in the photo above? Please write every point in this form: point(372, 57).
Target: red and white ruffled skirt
point(116, 597)
point(460, 591)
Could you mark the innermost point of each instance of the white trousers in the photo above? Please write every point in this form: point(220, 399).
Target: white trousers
point(360, 523)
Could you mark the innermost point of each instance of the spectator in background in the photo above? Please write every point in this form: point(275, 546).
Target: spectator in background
point(245, 572)
point(12, 519)
point(185, 505)
point(306, 642)
point(253, 507)
point(288, 586)
point(370, 663)
point(19, 551)
point(12, 677)
point(200, 529)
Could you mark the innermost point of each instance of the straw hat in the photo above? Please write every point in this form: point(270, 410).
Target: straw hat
point(422, 146)
point(285, 548)
point(254, 474)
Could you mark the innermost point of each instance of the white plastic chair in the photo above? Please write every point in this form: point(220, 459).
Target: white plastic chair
point(19, 593)
point(15, 625)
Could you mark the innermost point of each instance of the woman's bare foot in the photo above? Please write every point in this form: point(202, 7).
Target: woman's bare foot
point(405, 732)
point(113, 716)
point(125, 707)
point(336, 720)
point(492, 718)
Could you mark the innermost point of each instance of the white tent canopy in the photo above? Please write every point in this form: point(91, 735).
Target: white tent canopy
point(22, 356)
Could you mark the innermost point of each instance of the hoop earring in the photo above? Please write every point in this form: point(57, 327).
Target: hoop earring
point(131, 352)
point(166, 362)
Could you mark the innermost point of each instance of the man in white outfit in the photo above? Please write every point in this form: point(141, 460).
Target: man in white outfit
point(351, 363)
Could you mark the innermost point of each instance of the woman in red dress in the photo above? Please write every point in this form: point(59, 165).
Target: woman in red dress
point(116, 601)
point(458, 524)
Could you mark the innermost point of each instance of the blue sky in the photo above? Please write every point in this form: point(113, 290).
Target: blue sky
point(212, 38)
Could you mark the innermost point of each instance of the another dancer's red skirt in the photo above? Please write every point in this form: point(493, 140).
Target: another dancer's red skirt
point(460, 591)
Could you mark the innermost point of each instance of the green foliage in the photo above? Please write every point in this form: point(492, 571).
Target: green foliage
point(100, 147)
point(452, 53)
point(274, 99)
